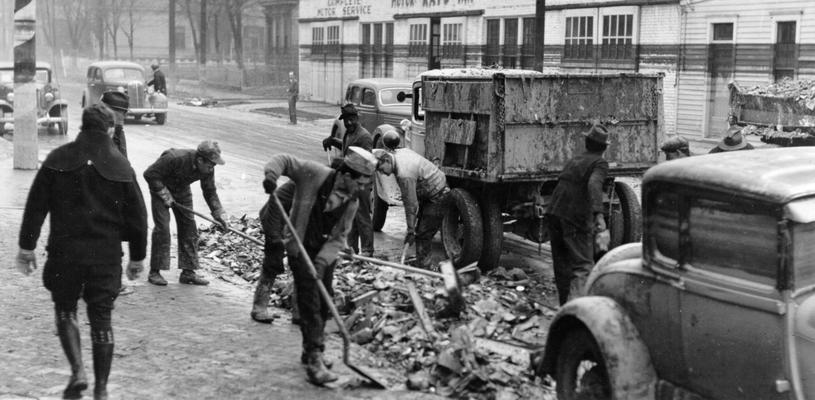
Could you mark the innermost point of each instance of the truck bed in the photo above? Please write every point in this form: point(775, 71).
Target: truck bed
point(513, 125)
point(782, 113)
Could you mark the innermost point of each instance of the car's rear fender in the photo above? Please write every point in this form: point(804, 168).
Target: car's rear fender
point(56, 107)
point(631, 374)
point(5, 107)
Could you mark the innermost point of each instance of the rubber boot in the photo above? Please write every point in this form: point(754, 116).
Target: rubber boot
point(304, 360)
point(260, 306)
point(102, 360)
point(316, 372)
point(68, 330)
point(295, 309)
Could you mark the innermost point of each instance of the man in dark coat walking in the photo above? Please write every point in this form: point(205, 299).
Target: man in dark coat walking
point(575, 215)
point(158, 82)
point(91, 192)
point(356, 135)
point(169, 179)
point(293, 91)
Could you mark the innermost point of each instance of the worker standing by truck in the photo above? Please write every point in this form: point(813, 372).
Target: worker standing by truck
point(575, 215)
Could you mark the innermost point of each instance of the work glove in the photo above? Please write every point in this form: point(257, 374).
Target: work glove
point(222, 219)
point(602, 240)
point(134, 269)
point(26, 261)
point(410, 238)
point(166, 197)
point(269, 186)
point(327, 143)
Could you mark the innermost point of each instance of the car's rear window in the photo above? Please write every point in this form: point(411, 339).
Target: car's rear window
point(123, 74)
point(388, 97)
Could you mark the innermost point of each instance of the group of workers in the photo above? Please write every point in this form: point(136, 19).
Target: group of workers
point(93, 197)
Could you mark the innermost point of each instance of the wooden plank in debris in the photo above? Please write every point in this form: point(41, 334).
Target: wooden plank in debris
point(418, 305)
point(458, 131)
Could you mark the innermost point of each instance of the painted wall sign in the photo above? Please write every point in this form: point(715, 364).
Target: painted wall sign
point(429, 3)
point(344, 8)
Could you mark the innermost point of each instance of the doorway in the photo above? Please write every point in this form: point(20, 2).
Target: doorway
point(721, 64)
point(434, 53)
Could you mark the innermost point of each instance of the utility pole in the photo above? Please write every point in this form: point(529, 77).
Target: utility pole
point(540, 30)
point(25, 89)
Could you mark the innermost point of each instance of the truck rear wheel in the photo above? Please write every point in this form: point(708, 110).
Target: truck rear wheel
point(462, 231)
point(632, 212)
point(493, 233)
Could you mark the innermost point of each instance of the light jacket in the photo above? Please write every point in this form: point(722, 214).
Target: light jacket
point(419, 180)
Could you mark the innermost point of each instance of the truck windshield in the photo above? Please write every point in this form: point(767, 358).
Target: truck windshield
point(388, 97)
point(123, 75)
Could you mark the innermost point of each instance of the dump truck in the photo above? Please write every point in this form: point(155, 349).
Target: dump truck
point(782, 113)
point(502, 137)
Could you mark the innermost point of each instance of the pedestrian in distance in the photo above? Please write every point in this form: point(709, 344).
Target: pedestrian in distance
point(323, 206)
point(169, 179)
point(575, 215)
point(675, 147)
point(425, 194)
point(293, 91)
point(119, 103)
point(362, 234)
point(93, 198)
point(159, 83)
point(733, 141)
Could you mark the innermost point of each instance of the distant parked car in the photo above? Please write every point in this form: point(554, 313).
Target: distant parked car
point(126, 77)
point(52, 110)
point(717, 302)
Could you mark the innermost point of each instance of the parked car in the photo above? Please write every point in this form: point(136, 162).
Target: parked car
point(718, 300)
point(379, 103)
point(52, 110)
point(126, 77)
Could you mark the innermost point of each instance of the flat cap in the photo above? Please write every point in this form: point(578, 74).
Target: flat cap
point(211, 151)
point(360, 160)
point(348, 110)
point(675, 143)
point(116, 100)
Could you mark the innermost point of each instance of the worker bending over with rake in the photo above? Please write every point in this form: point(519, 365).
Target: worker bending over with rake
point(323, 205)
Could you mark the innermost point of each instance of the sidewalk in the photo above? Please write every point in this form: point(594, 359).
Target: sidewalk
point(173, 342)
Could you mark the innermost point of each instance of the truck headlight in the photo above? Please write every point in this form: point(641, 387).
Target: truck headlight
point(121, 89)
point(10, 97)
point(49, 97)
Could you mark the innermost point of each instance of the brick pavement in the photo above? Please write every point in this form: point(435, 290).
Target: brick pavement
point(174, 342)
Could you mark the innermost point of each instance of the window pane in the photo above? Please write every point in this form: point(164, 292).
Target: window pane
point(589, 26)
point(665, 225)
point(605, 25)
point(629, 23)
point(738, 243)
point(786, 32)
point(723, 31)
point(803, 254)
point(568, 27)
point(368, 97)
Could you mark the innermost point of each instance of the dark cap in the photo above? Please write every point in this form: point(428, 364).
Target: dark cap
point(348, 110)
point(675, 143)
point(598, 133)
point(116, 100)
point(154, 66)
point(97, 117)
point(211, 151)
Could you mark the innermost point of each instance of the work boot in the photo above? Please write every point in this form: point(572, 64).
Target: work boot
point(102, 360)
point(304, 360)
point(189, 277)
point(155, 278)
point(316, 372)
point(367, 253)
point(260, 306)
point(68, 331)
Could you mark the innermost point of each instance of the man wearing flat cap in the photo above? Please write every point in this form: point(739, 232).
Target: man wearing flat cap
point(575, 215)
point(675, 147)
point(169, 179)
point(362, 234)
point(322, 205)
point(118, 102)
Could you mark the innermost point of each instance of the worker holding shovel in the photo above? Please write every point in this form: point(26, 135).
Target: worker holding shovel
point(323, 205)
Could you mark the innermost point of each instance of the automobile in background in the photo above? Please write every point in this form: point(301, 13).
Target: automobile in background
point(128, 78)
point(717, 301)
point(52, 110)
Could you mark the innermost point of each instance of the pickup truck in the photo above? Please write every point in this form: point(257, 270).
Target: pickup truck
point(718, 299)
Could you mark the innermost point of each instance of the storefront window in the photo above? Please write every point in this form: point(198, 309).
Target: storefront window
point(417, 43)
point(579, 38)
point(317, 37)
point(618, 37)
point(451, 41)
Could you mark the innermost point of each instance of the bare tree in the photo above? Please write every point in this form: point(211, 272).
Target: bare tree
point(234, 11)
point(132, 19)
point(47, 11)
point(190, 10)
point(78, 20)
point(113, 22)
point(215, 14)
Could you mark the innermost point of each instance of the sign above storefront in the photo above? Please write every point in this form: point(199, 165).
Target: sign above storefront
point(429, 3)
point(344, 8)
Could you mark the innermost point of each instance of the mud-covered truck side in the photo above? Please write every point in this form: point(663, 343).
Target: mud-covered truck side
point(782, 113)
point(502, 138)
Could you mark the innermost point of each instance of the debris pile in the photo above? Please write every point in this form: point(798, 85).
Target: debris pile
point(802, 90)
point(199, 102)
point(480, 354)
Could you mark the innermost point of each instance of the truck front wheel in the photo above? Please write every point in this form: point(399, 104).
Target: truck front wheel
point(462, 231)
point(493, 233)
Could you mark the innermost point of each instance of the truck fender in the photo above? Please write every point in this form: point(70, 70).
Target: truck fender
point(5, 106)
point(628, 362)
point(58, 104)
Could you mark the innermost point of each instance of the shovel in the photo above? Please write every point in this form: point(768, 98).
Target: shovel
point(210, 219)
point(346, 337)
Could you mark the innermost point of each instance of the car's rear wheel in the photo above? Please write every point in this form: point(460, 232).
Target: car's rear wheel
point(581, 372)
point(63, 127)
point(161, 118)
